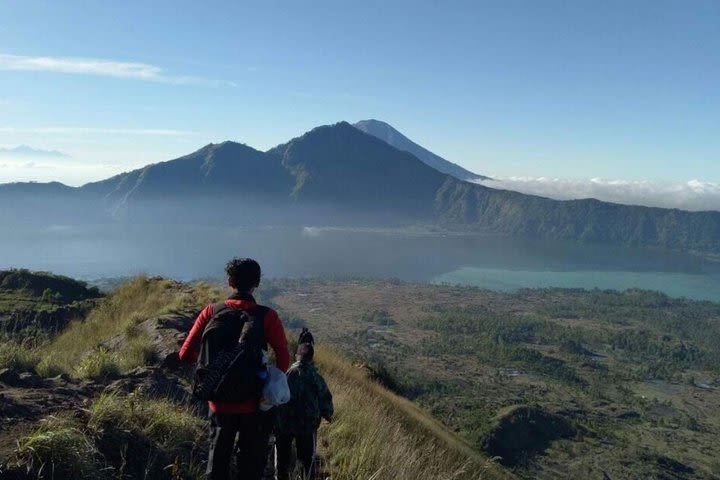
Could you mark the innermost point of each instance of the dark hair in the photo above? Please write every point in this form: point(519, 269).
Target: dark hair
point(306, 337)
point(305, 352)
point(243, 273)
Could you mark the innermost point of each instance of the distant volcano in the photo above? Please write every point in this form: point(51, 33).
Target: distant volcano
point(390, 135)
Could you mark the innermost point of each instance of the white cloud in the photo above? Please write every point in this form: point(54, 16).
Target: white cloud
point(102, 67)
point(80, 66)
point(163, 132)
point(691, 195)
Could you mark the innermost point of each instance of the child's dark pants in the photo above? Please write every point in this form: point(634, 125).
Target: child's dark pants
point(252, 431)
point(305, 446)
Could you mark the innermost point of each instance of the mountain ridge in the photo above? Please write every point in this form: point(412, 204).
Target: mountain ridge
point(338, 174)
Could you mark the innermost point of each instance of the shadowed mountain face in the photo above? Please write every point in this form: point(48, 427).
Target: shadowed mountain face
point(204, 185)
point(214, 169)
point(340, 164)
point(45, 203)
point(331, 174)
point(587, 220)
point(388, 134)
point(338, 175)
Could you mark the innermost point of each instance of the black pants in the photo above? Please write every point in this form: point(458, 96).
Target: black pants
point(305, 446)
point(253, 433)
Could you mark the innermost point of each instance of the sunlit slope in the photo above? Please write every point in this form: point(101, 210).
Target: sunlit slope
point(380, 435)
point(119, 363)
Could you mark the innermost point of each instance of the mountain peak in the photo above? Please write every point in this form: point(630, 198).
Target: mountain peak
point(340, 163)
point(373, 123)
point(387, 133)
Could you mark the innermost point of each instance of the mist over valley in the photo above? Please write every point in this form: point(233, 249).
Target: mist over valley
point(496, 262)
point(351, 201)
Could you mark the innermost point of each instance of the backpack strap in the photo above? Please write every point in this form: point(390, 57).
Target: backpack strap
point(217, 307)
point(217, 310)
point(258, 314)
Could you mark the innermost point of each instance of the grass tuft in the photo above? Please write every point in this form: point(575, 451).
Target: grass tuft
point(175, 427)
point(101, 365)
point(47, 367)
point(58, 449)
point(17, 357)
point(137, 352)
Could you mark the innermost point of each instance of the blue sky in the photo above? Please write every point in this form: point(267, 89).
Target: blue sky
point(624, 90)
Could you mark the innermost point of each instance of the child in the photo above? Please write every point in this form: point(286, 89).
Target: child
point(298, 420)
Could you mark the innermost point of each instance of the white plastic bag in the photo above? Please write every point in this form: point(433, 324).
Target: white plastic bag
point(276, 390)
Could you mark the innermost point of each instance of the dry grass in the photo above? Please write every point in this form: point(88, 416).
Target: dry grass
point(135, 301)
point(379, 435)
point(376, 434)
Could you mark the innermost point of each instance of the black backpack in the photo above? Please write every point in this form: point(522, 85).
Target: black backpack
point(230, 365)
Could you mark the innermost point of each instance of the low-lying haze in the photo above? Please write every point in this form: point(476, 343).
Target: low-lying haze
point(490, 261)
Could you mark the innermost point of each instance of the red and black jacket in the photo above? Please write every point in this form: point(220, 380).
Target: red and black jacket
point(274, 335)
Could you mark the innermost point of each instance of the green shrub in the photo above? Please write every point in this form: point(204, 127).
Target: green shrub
point(102, 364)
point(59, 450)
point(176, 428)
point(54, 287)
point(48, 367)
point(17, 357)
point(111, 409)
point(47, 295)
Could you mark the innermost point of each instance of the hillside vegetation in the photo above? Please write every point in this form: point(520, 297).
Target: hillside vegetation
point(34, 305)
point(430, 382)
point(380, 435)
point(559, 383)
point(81, 348)
point(120, 415)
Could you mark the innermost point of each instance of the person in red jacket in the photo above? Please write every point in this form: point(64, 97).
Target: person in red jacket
point(244, 420)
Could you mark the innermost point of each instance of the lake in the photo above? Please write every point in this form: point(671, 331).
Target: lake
point(488, 261)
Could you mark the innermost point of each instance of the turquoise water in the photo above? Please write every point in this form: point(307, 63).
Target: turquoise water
point(493, 262)
point(695, 286)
